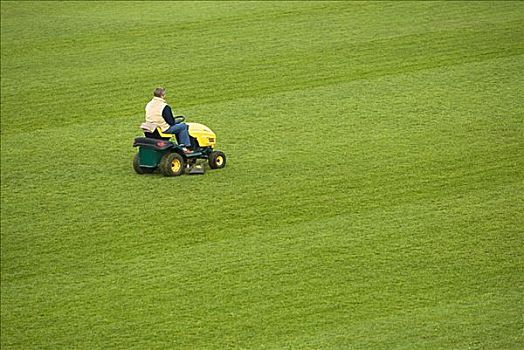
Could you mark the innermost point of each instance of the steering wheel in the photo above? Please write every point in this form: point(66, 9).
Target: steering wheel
point(179, 119)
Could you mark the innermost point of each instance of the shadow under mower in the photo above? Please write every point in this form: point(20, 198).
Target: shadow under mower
point(158, 151)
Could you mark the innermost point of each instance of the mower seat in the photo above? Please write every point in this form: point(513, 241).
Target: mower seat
point(163, 134)
point(152, 131)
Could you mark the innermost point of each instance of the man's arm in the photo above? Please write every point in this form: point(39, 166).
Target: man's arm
point(167, 114)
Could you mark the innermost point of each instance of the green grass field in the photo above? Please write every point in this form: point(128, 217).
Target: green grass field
point(372, 197)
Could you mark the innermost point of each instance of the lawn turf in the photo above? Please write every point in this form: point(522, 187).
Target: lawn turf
point(372, 197)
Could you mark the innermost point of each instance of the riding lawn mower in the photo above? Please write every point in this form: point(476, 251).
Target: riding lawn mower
point(160, 151)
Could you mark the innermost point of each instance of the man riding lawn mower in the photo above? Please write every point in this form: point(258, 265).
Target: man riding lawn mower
point(159, 150)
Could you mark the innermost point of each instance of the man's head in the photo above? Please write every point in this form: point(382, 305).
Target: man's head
point(159, 92)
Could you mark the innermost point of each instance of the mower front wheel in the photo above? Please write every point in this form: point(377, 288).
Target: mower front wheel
point(172, 164)
point(217, 160)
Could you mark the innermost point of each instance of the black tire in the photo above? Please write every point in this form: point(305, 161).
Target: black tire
point(172, 164)
point(138, 168)
point(217, 160)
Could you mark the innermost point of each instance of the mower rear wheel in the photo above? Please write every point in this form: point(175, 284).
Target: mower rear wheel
point(138, 168)
point(217, 160)
point(172, 164)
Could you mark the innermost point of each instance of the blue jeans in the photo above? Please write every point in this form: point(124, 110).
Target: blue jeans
point(182, 135)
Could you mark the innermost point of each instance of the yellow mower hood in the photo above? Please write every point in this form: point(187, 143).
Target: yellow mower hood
point(204, 135)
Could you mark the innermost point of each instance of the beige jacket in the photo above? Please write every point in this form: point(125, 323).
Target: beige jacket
point(154, 113)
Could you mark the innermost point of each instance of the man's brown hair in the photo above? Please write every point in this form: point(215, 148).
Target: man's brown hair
point(159, 92)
